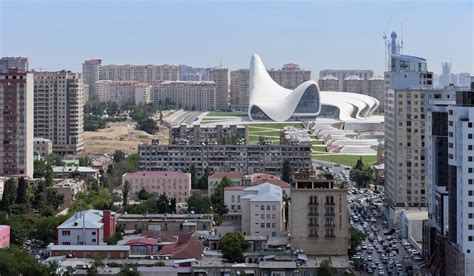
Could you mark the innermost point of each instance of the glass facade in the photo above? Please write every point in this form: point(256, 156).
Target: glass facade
point(309, 102)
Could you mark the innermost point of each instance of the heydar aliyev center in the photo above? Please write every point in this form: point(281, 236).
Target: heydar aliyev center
point(271, 102)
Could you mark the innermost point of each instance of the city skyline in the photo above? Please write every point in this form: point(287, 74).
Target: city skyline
point(210, 35)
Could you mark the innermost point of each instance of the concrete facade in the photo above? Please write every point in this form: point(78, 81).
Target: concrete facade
point(220, 76)
point(43, 146)
point(190, 95)
point(174, 184)
point(17, 123)
point(319, 224)
point(90, 75)
point(209, 134)
point(59, 110)
point(125, 91)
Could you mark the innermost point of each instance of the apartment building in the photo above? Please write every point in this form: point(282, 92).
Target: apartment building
point(19, 63)
point(376, 89)
point(239, 89)
point(16, 119)
point(124, 91)
point(262, 211)
point(4, 236)
point(319, 223)
point(174, 184)
point(90, 75)
point(89, 227)
point(209, 134)
point(43, 147)
point(290, 75)
point(220, 76)
point(143, 73)
point(189, 73)
point(214, 179)
point(341, 75)
point(328, 83)
point(69, 188)
point(223, 158)
point(58, 110)
point(191, 95)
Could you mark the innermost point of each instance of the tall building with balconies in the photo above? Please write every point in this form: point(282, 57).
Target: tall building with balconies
point(328, 83)
point(143, 73)
point(124, 91)
point(319, 223)
point(239, 89)
point(341, 75)
point(90, 75)
point(58, 110)
point(190, 95)
point(16, 122)
point(290, 75)
point(220, 76)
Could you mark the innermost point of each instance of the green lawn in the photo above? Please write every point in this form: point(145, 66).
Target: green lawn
point(348, 160)
point(319, 148)
point(207, 121)
point(275, 125)
point(222, 113)
point(317, 142)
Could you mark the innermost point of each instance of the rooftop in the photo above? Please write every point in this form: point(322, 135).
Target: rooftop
point(84, 219)
point(60, 169)
point(52, 247)
point(264, 192)
point(219, 175)
point(161, 174)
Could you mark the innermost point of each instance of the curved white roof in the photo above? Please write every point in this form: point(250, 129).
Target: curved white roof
point(279, 103)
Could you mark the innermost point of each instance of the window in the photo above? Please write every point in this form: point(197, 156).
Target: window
point(66, 243)
point(93, 233)
point(470, 238)
point(469, 181)
point(471, 227)
point(469, 147)
point(94, 240)
point(66, 233)
point(268, 225)
point(262, 216)
point(469, 170)
point(268, 207)
point(262, 225)
point(469, 125)
point(262, 207)
point(469, 136)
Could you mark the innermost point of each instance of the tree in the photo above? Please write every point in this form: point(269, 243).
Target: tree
point(356, 239)
point(287, 172)
point(194, 178)
point(362, 176)
point(125, 190)
point(203, 181)
point(119, 156)
point(286, 201)
point(128, 270)
point(199, 204)
point(148, 125)
point(326, 269)
point(15, 261)
point(232, 245)
point(217, 198)
point(173, 205)
point(85, 161)
point(21, 194)
point(40, 196)
point(144, 195)
point(163, 204)
point(9, 194)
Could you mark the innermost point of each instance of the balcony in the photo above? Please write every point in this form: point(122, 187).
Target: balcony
point(330, 214)
point(313, 214)
point(313, 203)
point(329, 204)
point(330, 225)
point(313, 236)
point(313, 224)
point(330, 236)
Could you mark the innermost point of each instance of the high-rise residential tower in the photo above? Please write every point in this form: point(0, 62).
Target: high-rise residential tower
point(239, 89)
point(58, 107)
point(220, 76)
point(341, 75)
point(16, 123)
point(90, 75)
point(20, 63)
point(290, 75)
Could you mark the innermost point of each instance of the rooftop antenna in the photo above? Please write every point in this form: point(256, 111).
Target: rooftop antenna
point(387, 45)
point(401, 42)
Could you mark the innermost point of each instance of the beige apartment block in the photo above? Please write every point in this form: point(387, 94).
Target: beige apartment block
point(319, 224)
point(220, 76)
point(58, 110)
point(190, 95)
point(124, 91)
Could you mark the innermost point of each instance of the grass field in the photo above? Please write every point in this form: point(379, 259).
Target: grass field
point(268, 130)
point(319, 148)
point(348, 160)
point(221, 113)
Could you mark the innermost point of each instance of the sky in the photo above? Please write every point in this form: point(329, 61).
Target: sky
point(317, 35)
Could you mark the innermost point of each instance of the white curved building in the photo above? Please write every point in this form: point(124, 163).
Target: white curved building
point(270, 101)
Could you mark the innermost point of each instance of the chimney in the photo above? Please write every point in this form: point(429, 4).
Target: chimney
point(109, 224)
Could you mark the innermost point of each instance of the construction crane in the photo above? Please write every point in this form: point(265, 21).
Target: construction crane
point(386, 45)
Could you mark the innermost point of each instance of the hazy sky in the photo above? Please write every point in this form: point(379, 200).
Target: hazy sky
point(315, 34)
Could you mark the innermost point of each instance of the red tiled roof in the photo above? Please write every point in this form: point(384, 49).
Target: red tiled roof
point(228, 174)
point(278, 182)
point(145, 241)
point(162, 174)
point(234, 188)
point(257, 176)
point(187, 247)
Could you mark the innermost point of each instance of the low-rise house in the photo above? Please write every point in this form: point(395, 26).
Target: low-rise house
point(73, 171)
point(101, 161)
point(163, 222)
point(173, 184)
point(186, 247)
point(43, 147)
point(4, 236)
point(88, 227)
point(88, 251)
point(143, 246)
point(69, 188)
